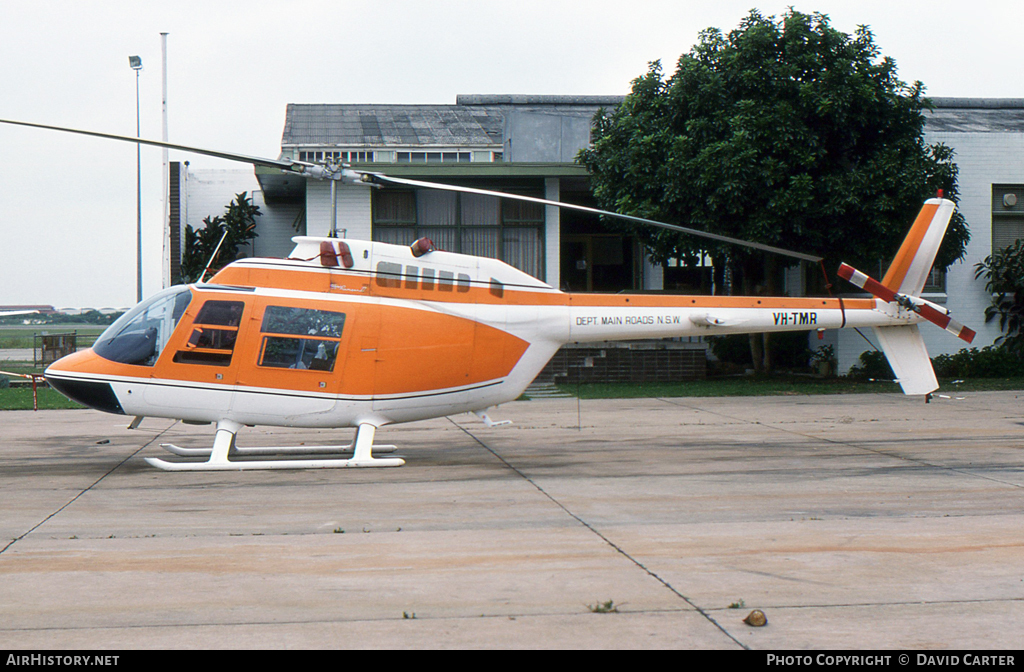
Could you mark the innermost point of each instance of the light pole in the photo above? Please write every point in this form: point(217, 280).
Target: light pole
point(135, 62)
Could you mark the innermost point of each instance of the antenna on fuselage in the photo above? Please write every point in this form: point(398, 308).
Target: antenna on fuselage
point(213, 256)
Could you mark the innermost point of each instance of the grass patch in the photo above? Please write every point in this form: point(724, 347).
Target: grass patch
point(776, 385)
point(20, 399)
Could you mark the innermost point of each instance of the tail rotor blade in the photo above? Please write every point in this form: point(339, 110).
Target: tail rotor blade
point(866, 282)
point(946, 322)
point(869, 284)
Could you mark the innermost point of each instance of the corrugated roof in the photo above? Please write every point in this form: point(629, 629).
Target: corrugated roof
point(975, 115)
point(478, 120)
point(391, 125)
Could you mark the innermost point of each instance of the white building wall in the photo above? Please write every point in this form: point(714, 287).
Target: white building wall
point(984, 159)
point(208, 193)
point(654, 274)
point(354, 209)
point(552, 233)
point(275, 228)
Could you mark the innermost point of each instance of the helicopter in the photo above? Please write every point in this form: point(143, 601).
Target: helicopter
point(353, 333)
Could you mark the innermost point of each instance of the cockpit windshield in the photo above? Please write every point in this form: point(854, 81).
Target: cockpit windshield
point(139, 336)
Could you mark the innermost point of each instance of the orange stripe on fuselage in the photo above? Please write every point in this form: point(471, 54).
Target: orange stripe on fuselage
point(342, 283)
point(908, 250)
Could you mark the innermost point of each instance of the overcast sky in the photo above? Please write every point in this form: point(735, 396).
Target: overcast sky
point(68, 203)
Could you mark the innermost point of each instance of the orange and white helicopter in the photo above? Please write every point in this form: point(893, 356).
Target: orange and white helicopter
point(351, 333)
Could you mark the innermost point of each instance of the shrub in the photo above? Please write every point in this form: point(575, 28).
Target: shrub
point(873, 364)
point(988, 362)
point(1004, 270)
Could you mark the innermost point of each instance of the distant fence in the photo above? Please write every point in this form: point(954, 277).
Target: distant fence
point(48, 348)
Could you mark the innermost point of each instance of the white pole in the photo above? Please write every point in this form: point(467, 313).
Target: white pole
point(138, 193)
point(166, 194)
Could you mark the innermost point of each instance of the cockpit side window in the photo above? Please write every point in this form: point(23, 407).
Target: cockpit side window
point(141, 334)
point(214, 333)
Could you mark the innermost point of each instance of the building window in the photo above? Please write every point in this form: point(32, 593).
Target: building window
point(1007, 215)
point(484, 226)
point(935, 283)
point(346, 156)
point(433, 157)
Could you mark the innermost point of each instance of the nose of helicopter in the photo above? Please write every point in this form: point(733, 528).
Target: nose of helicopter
point(76, 377)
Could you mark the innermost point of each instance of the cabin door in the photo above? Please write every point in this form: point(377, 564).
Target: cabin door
point(296, 357)
point(200, 367)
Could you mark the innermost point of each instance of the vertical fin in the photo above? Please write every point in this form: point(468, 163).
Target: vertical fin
point(910, 268)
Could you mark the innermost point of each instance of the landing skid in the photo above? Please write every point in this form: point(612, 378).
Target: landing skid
point(224, 448)
point(273, 450)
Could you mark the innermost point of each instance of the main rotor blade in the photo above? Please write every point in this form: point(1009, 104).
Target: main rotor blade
point(255, 160)
point(378, 177)
point(345, 174)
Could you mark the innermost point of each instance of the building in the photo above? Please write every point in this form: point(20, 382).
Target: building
point(522, 144)
point(527, 145)
point(987, 135)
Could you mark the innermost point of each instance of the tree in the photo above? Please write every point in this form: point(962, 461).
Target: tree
point(238, 222)
point(1005, 272)
point(786, 132)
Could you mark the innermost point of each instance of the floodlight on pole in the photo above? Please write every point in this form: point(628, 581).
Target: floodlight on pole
point(135, 62)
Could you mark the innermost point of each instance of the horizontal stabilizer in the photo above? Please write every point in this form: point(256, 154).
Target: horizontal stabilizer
point(908, 357)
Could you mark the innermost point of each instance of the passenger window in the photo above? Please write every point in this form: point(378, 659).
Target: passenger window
point(301, 338)
point(412, 277)
point(389, 274)
point(214, 333)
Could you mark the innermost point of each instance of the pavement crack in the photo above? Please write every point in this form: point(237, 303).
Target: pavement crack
point(876, 451)
point(92, 485)
point(706, 614)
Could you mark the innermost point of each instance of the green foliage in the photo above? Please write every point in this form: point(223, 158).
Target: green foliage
point(608, 607)
point(988, 362)
point(238, 220)
point(1004, 271)
point(874, 365)
point(788, 349)
point(784, 131)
